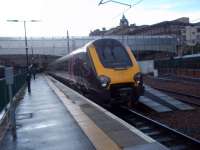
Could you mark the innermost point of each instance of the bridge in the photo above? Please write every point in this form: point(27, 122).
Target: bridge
point(44, 50)
point(58, 46)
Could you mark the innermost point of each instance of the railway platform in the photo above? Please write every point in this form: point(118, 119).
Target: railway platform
point(55, 117)
point(161, 102)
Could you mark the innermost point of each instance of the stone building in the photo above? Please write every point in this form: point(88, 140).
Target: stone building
point(187, 34)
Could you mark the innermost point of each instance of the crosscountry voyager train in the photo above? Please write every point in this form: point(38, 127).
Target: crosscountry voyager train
point(103, 67)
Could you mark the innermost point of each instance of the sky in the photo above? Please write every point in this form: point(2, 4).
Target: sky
point(80, 17)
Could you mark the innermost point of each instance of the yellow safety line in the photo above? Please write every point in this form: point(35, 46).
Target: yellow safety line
point(99, 139)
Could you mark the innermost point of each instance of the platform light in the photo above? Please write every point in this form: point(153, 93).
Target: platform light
point(25, 36)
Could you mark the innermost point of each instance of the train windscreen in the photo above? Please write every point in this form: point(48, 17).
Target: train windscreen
point(112, 54)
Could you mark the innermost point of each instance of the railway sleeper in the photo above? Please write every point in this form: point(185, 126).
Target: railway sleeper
point(172, 141)
point(178, 147)
point(161, 134)
point(153, 133)
point(139, 124)
point(177, 144)
point(180, 144)
point(135, 120)
point(158, 134)
point(147, 129)
point(144, 127)
point(163, 139)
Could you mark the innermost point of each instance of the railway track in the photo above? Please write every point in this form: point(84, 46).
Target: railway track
point(165, 135)
point(179, 93)
point(166, 87)
point(180, 79)
point(195, 98)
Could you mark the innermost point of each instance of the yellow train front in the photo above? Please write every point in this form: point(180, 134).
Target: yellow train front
point(104, 68)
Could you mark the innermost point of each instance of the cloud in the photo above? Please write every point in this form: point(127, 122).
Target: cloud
point(165, 6)
point(143, 15)
point(81, 16)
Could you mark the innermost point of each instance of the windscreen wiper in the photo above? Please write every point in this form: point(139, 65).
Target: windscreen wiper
point(120, 68)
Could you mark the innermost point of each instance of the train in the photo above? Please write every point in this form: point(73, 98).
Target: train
point(185, 66)
point(104, 67)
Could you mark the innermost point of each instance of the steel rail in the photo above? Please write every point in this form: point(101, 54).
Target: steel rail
point(165, 135)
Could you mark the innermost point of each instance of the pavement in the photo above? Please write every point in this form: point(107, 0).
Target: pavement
point(54, 117)
point(43, 123)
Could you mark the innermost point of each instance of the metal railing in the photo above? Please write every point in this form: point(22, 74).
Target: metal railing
point(19, 81)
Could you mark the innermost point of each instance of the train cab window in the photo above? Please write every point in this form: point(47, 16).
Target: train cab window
point(86, 64)
point(112, 54)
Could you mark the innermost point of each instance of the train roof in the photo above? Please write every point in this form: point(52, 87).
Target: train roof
point(79, 50)
point(82, 49)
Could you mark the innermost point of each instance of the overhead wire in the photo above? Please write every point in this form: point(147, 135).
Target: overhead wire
point(127, 9)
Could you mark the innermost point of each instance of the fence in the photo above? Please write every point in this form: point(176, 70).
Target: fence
point(181, 67)
point(19, 81)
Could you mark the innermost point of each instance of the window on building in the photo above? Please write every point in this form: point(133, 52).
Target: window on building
point(198, 29)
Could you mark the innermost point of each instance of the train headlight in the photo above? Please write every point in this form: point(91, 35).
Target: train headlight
point(138, 77)
point(104, 80)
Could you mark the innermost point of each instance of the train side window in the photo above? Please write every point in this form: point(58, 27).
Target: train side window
point(86, 66)
point(76, 65)
point(66, 65)
point(90, 62)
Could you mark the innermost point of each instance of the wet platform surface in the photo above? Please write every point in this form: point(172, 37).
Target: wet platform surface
point(55, 117)
point(43, 123)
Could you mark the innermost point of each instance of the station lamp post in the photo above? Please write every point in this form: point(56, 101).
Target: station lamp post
point(25, 37)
